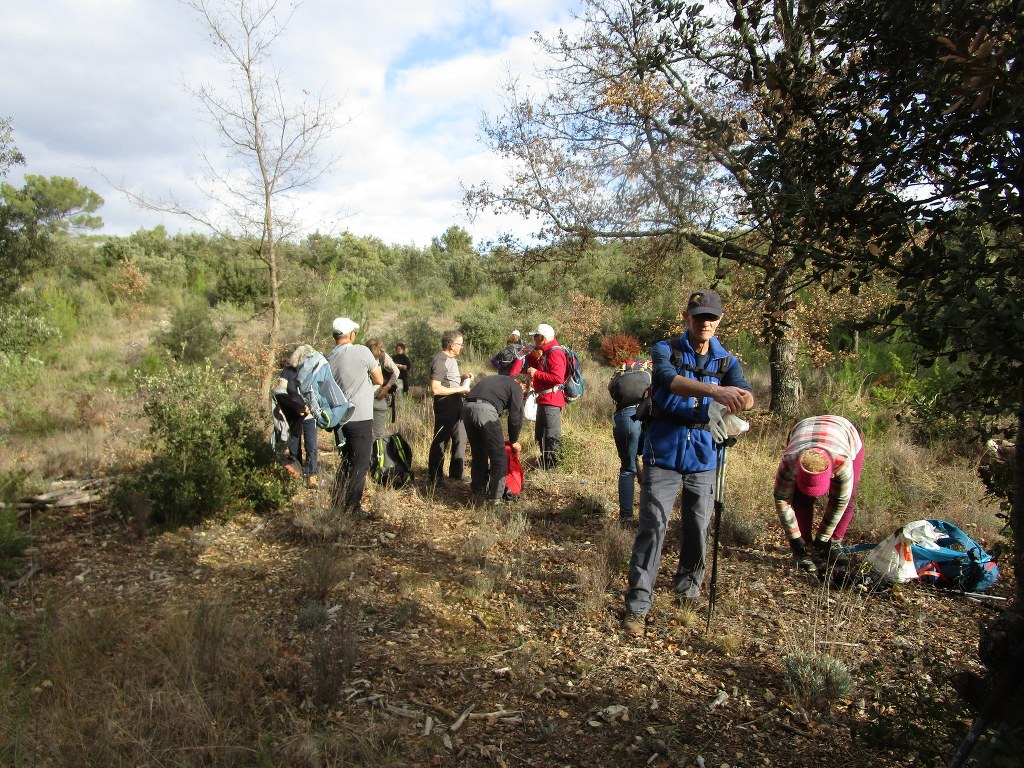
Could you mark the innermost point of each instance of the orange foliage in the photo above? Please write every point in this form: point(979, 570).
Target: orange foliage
point(581, 321)
point(617, 348)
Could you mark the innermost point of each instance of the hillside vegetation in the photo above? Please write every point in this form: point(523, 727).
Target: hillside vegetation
point(207, 611)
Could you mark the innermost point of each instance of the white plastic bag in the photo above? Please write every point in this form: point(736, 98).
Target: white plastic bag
point(723, 424)
point(893, 559)
point(530, 407)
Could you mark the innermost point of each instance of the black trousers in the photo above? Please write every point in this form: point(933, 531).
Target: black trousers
point(350, 481)
point(447, 427)
point(487, 441)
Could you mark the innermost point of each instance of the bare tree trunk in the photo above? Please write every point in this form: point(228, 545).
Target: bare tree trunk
point(784, 370)
point(783, 349)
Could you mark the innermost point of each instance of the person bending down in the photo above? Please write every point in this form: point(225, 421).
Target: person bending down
point(824, 454)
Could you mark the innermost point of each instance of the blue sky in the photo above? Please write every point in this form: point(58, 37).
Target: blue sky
point(95, 89)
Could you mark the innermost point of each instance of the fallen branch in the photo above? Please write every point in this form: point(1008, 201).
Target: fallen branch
point(461, 719)
point(400, 711)
point(495, 715)
point(436, 707)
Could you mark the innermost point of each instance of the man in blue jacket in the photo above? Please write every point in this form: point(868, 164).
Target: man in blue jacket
point(689, 373)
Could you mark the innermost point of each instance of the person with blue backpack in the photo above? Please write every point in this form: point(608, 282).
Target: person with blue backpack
point(547, 366)
point(823, 454)
point(689, 373)
point(358, 373)
point(302, 428)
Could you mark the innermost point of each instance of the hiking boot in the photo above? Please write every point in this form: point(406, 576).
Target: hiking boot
point(629, 523)
point(634, 624)
point(362, 514)
point(311, 482)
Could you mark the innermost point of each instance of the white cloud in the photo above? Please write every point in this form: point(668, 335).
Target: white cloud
point(100, 83)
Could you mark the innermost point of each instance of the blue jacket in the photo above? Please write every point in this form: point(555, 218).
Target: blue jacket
point(674, 437)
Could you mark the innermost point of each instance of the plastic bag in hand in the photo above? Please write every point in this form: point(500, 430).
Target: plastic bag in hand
point(723, 424)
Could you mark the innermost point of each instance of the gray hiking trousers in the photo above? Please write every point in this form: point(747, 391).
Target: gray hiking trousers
point(657, 496)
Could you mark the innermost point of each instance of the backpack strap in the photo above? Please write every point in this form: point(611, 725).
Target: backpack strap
point(676, 359)
point(544, 357)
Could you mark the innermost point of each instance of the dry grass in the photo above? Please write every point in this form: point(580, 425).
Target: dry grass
point(610, 557)
point(188, 692)
point(321, 570)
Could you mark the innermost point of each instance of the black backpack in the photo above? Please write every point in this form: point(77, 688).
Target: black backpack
point(391, 461)
point(505, 359)
point(630, 382)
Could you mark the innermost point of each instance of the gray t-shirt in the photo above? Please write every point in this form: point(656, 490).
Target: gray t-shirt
point(351, 365)
point(445, 370)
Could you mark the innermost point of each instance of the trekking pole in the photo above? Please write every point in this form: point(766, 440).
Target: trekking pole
point(719, 509)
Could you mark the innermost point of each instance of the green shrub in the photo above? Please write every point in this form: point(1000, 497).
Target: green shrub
point(485, 331)
point(422, 342)
point(60, 311)
point(209, 455)
point(12, 540)
point(817, 680)
point(22, 331)
point(191, 337)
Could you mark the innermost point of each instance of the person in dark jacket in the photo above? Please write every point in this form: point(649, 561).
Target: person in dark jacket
point(481, 414)
point(302, 428)
point(404, 365)
point(627, 386)
point(689, 373)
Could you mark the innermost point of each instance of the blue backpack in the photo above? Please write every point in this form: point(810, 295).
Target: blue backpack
point(959, 563)
point(573, 386)
point(323, 396)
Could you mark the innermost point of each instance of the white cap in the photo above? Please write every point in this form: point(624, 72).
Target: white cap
point(343, 326)
point(517, 333)
point(544, 330)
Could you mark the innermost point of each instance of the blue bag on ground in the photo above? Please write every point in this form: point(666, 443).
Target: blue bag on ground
point(957, 562)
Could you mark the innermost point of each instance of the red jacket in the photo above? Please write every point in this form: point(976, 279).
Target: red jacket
point(550, 373)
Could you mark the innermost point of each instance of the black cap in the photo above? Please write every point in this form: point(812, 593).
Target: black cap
point(704, 303)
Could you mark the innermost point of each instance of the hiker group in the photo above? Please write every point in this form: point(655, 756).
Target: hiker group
point(352, 389)
point(676, 414)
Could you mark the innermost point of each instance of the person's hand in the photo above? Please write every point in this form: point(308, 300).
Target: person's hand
point(733, 398)
point(516, 447)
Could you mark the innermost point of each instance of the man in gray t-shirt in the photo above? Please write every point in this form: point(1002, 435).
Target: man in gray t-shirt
point(356, 370)
point(448, 387)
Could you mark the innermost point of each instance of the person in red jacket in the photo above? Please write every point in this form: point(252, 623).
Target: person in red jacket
point(547, 367)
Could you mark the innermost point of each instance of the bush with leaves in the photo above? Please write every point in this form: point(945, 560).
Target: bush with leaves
point(616, 348)
point(12, 540)
point(422, 341)
point(209, 455)
point(485, 331)
point(191, 337)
